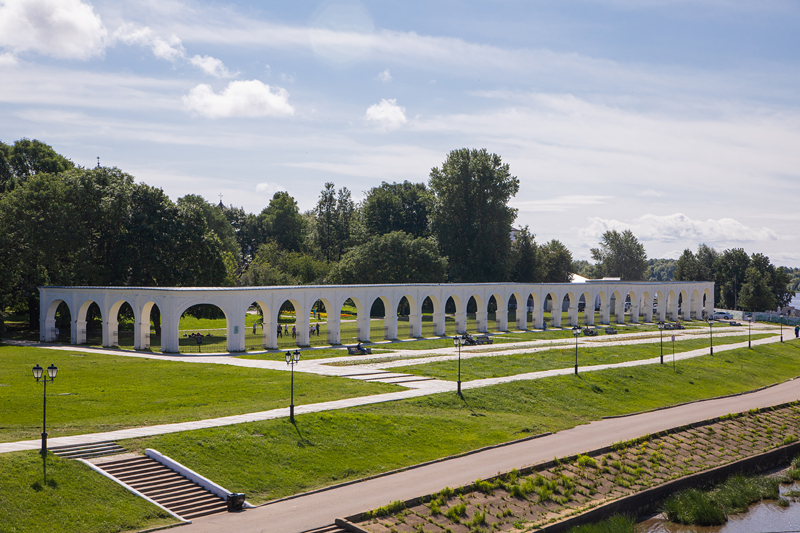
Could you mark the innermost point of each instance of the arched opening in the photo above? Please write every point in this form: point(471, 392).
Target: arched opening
point(455, 317)
point(672, 306)
point(492, 315)
point(568, 311)
point(203, 328)
point(617, 307)
point(403, 318)
point(428, 324)
point(61, 323)
point(355, 323)
point(473, 323)
point(550, 310)
point(254, 328)
point(317, 324)
point(150, 330)
point(90, 325)
point(586, 308)
point(123, 334)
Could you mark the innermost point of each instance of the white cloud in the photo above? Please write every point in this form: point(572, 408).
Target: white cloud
point(559, 204)
point(170, 49)
point(211, 66)
point(387, 114)
point(269, 189)
point(239, 99)
point(67, 29)
point(7, 60)
point(287, 78)
point(680, 228)
point(652, 193)
point(384, 76)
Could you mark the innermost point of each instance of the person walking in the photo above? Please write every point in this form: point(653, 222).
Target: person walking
point(797, 331)
point(294, 332)
point(286, 330)
point(280, 330)
point(254, 327)
point(317, 329)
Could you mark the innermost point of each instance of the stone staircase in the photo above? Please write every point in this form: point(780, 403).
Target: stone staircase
point(87, 451)
point(165, 486)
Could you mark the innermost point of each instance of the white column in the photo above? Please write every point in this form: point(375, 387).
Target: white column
point(461, 321)
point(439, 320)
point(110, 332)
point(501, 318)
point(170, 322)
point(390, 325)
point(415, 323)
point(605, 313)
point(634, 312)
point(333, 326)
point(481, 319)
point(302, 321)
point(619, 310)
point(236, 332)
point(78, 331)
point(572, 315)
point(362, 323)
point(46, 328)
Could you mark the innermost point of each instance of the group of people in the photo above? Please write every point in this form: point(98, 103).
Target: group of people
point(285, 330)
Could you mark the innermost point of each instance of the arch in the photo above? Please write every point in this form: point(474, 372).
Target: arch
point(438, 317)
point(197, 340)
point(708, 303)
point(459, 312)
point(111, 333)
point(646, 305)
point(500, 311)
point(633, 304)
point(587, 308)
point(551, 308)
point(534, 305)
point(51, 330)
point(81, 333)
point(481, 316)
point(605, 307)
point(617, 306)
point(672, 305)
point(519, 313)
point(389, 317)
point(684, 304)
point(695, 305)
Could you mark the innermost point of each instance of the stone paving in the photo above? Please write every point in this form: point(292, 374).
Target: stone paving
point(415, 385)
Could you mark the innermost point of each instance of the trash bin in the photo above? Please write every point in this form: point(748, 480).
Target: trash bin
point(235, 502)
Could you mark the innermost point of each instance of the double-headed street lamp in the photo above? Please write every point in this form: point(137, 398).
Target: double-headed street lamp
point(711, 334)
point(292, 359)
point(576, 330)
point(661, 329)
point(458, 342)
point(749, 329)
point(38, 373)
point(781, 327)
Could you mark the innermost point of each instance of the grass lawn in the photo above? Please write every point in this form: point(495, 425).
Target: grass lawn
point(510, 365)
point(326, 448)
point(99, 392)
point(75, 499)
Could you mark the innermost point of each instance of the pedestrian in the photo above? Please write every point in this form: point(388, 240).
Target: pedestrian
point(286, 330)
point(254, 328)
point(280, 330)
point(797, 331)
point(317, 329)
point(294, 332)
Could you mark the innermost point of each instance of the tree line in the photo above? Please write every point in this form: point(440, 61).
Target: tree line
point(62, 224)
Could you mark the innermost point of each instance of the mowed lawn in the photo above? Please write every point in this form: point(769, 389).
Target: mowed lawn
point(327, 448)
point(510, 365)
point(103, 392)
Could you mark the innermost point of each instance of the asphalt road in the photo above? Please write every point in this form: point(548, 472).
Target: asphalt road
point(317, 510)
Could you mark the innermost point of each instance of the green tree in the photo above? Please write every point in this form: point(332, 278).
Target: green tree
point(686, 268)
point(215, 220)
point(334, 217)
point(248, 229)
point(471, 218)
point(756, 293)
point(397, 207)
point(283, 222)
point(622, 255)
point(395, 257)
point(661, 269)
point(556, 260)
point(526, 266)
point(26, 158)
point(730, 267)
point(781, 287)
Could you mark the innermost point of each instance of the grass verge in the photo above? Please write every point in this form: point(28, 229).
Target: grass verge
point(103, 392)
point(74, 499)
point(510, 365)
point(320, 450)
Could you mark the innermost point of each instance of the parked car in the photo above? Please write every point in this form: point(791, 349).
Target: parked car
point(722, 315)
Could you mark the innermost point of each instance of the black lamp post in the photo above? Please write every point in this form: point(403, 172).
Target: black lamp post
point(292, 359)
point(457, 341)
point(749, 329)
point(38, 373)
point(781, 327)
point(576, 330)
point(661, 329)
point(711, 334)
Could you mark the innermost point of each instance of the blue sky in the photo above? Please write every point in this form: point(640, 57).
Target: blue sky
point(678, 120)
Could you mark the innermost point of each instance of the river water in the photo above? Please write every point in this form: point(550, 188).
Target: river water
point(762, 517)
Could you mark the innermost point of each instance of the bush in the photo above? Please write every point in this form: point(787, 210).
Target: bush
point(692, 506)
point(585, 460)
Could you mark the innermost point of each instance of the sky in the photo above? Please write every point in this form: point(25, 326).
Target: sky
point(676, 119)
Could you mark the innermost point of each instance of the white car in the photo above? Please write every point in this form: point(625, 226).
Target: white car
point(722, 315)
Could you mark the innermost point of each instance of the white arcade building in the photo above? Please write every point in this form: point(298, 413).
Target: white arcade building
point(645, 298)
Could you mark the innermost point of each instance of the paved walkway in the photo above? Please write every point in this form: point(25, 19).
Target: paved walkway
point(316, 510)
point(414, 389)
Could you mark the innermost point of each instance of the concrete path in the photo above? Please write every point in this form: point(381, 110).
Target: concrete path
point(316, 510)
point(415, 389)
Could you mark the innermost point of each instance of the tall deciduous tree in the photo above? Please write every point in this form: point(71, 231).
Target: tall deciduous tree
point(471, 217)
point(556, 262)
point(283, 222)
point(397, 207)
point(622, 255)
point(756, 293)
point(26, 158)
point(731, 268)
point(526, 264)
point(395, 257)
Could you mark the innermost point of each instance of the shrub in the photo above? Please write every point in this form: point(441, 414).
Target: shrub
point(585, 460)
point(692, 506)
point(456, 512)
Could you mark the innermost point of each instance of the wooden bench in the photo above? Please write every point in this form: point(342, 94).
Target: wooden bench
point(590, 332)
point(611, 331)
point(353, 350)
point(484, 339)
